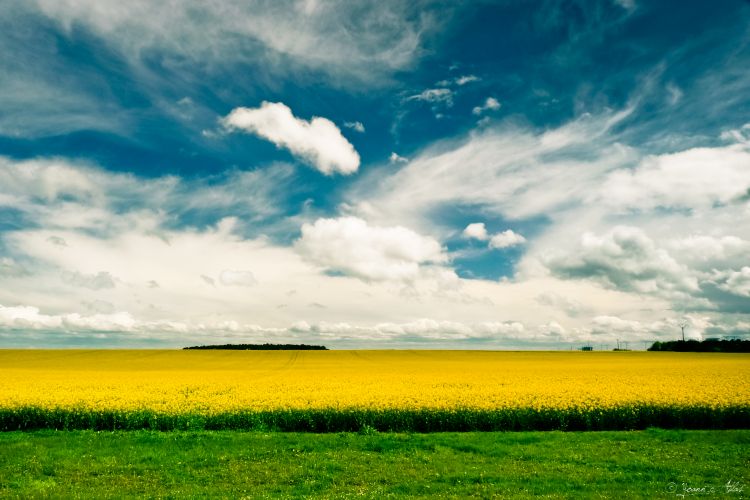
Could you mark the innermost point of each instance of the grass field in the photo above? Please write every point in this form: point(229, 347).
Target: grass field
point(226, 464)
point(329, 391)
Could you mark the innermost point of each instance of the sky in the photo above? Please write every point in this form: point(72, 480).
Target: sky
point(387, 174)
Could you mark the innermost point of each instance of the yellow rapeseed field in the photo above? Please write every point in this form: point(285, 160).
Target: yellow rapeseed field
point(213, 382)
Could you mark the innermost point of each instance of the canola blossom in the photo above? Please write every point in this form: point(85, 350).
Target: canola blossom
point(386, 388)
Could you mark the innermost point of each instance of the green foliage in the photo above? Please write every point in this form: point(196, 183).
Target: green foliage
point(708, 345)
point(386, 420)
point(259, 347)
point(226, 464)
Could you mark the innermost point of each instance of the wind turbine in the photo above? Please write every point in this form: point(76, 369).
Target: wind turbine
point(682, 326)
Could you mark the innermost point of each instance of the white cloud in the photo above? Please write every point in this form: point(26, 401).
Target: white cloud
point(356, 126)
point(692, 179)
point(318, 142)
point(490, 104)
point(738, 282)
point(506, 239)
point(476, 230)
point(351, 246)
point(460, 81)
point(624, 258)
point(628, 5)
point(9, 268)
point(552, 329)
point(353, 44)
point(56, 240)
point(640, 334)
point(96, 281)
point(237, 278)
point(568, 305)
point(31, 318)
point(673, 245)
point(435, 96)
point(613, 326)
point(463, 80)
point(396, 158)
point(506, 170)
point(39, 94)
point(706, 251)
point(675, 93)
point(134, 226)
point(422, 329)
point(739, 135)
point(61, 194)
point(27, 317)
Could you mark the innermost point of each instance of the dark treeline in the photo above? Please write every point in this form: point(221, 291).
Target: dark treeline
point(708, 345)
point(262, 347)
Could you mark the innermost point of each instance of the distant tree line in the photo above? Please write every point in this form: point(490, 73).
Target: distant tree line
point(708, 345)
point(262, 347)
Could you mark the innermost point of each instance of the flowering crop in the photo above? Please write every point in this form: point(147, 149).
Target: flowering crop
point(343, 390)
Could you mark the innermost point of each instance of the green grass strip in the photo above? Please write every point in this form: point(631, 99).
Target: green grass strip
point(653, 464)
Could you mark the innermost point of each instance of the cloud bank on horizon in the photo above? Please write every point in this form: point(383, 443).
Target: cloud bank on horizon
point(378, 174)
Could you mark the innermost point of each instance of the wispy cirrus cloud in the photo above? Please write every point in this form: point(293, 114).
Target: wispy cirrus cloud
point(358, 43)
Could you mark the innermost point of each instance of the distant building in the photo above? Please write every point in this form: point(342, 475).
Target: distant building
point(587, 348)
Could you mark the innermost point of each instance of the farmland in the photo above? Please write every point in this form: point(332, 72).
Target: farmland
point(328, 391)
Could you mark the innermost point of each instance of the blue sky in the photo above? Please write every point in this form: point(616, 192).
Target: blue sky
point(380, 174)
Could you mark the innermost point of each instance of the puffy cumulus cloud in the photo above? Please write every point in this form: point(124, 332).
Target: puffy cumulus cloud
point(624, 258)
point(98, 281)
point(692, 179)
point(31, 318)
point(236, 278)
point(599, 329)
point(490, 104)
point(318, 142)
point(506, 239)
point(711, 251)
point(476, 230)
point(27, 317)
point(737, 282)
point(351, 246)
